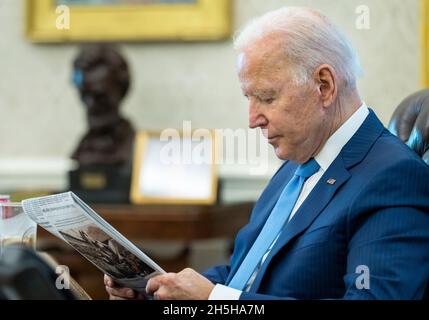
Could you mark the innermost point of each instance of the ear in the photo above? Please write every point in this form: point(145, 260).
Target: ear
point(326, 80)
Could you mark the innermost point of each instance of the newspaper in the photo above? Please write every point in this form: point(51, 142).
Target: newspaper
point(70, 219)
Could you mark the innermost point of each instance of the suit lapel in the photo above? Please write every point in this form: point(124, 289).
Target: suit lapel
point(353, 152)
point(261, 212)
point(309, 210)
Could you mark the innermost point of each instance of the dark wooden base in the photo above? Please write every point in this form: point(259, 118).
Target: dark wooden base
point(101, 184)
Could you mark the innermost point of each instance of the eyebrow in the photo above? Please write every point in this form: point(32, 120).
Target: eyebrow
point(262, 93)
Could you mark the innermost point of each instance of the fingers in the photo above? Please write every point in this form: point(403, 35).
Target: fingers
point(152, 285)
point(120, 293)
point(116, 298)
point(161, 294)
point(115, 292)
point(108, 281)
point(160, 286)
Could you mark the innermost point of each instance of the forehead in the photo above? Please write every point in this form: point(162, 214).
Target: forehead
point(263, 64)
point(98, 79)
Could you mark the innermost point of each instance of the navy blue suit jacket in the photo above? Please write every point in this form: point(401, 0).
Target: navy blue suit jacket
point(375, 215)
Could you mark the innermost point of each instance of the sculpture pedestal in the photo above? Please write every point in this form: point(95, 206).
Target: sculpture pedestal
point(101, 183)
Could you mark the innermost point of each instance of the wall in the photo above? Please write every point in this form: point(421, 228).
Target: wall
point(42, 118)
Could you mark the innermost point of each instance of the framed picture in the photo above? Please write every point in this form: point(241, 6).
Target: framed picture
point(174, 168)
point(127, 20)
point(425, 42)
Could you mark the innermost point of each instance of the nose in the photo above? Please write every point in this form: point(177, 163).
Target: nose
point(256, 117)
point(89, 101)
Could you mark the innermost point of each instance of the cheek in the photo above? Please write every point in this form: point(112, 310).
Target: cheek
point(306, 117)
point(289, 124)
point(290, 114)
point(113, 101)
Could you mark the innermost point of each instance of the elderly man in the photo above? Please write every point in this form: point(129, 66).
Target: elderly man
point(347, 215)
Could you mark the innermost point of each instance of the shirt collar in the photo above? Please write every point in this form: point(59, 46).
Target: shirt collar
point(338, 140)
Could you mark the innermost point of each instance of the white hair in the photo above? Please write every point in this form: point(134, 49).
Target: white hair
point(310, 40)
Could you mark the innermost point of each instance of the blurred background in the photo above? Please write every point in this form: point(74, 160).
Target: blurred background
point(42, 117)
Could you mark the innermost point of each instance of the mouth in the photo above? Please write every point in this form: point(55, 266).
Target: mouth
point(272, 139)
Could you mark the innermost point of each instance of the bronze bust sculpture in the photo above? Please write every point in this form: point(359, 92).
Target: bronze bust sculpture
point(104, 153)
point(102, 77)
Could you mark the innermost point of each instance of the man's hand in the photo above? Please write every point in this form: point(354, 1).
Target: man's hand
point(119, 293)
point(185, 285)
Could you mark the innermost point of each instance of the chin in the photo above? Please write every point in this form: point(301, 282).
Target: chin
point(281, 154)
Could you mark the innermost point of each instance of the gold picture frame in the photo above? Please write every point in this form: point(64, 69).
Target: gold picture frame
point(425, 42)
point(177, 180)
point(202, 20)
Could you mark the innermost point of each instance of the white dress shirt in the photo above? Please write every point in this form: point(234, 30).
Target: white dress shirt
point(326, 156)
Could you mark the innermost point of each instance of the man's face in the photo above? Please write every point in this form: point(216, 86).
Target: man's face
point(292, 117)
point(100, 92)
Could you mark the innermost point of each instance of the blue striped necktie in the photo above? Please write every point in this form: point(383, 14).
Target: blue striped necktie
point(274, 224)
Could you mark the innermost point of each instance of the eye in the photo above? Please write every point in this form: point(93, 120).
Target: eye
point(100, 96)
point(268, 100)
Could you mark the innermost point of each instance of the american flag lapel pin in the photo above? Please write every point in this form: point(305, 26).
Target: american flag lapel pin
point(331, 181)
